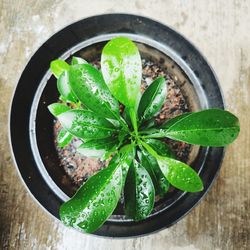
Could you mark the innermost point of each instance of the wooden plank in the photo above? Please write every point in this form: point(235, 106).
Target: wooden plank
point(220, 29)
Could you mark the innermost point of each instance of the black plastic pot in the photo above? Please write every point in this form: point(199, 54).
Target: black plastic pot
point(31, 125)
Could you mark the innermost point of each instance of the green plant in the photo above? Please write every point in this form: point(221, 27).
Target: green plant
point(141, 164)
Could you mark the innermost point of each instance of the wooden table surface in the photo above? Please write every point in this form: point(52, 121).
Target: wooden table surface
point(221, 30)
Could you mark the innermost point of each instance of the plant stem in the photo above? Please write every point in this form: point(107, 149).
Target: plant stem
point(134, 120)
point(152, 136)
point(151, 131)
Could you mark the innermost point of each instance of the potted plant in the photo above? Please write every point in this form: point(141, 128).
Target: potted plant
point(51, 159)
point(107, 112)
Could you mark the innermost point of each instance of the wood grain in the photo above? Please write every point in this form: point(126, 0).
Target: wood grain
point(220, 29)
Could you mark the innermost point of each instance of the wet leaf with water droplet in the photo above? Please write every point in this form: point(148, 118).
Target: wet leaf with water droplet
point(58, 66)
point(126, 156)
point(64, 87)
point(126, 117)
point(174, 120)
point(58, 108)
point(123, 134)
point(180, 175)
point(97, 147)
point(150, 163)
point(152, 99)
point(86, 125)
point(78, 60)
point(64, 138)
point(160, 147)
point(139, 193)
point(88, 85)
point(90, 207)
point(212, 127)
point(122, 69)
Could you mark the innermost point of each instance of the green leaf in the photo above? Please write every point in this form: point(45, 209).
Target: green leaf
point(95, 201)
point(139, 193)
point(122, 135)
point(86, 125)
point(109, 153)
point(148, 124)
point(177, 173)
point(64, 138)
point(64, 88)
point(212, 127)
point(57, 108)
point(126, 156)
point(97, 147)
point(116, 123)
point(78, 60)
point(58, 66)
point(126, 116)
point(122, 69)
point(149, 162)
point(174, 120)
point(91, 153)
point(160, 147)
point(90, 88)
point(104, 143)
point(150, 149)
point(62, 98)
point(180, 175)
point(152, 99)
